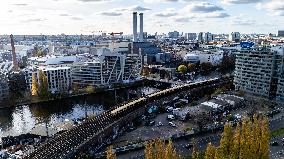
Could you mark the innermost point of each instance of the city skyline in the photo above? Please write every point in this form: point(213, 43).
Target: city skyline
point(162, 16)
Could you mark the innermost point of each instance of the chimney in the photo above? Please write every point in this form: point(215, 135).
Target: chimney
point(134, 26)
point(141, 36)
point(15, 62)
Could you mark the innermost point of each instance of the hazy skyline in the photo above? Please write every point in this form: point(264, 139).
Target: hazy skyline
point(162, 16)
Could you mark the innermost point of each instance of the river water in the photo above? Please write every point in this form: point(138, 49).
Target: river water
point(49, 118)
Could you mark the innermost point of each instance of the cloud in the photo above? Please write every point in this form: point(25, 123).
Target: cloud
point(170, 12)
point(76, 18)
point(204, 7)
point(20, 4)
point(167, 1)
point(131, 8)
point(33, 20)
point(217, 15)
point(138, 8)
point(64, 15)
point(94, 0)
point(238, 20)
point(274, 7)
point(182, 19)
point(111, 13)
point(239, 1)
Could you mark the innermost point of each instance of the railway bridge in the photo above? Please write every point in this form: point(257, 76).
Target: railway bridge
point(96, 131)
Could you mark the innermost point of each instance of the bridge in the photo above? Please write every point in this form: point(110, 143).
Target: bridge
point(96, 131)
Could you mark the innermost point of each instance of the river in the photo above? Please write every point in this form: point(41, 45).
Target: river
point(49, 118)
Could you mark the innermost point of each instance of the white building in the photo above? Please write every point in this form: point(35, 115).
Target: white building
point(212, 56)
point(107, 68)
point(59, 78)
point(191, 58)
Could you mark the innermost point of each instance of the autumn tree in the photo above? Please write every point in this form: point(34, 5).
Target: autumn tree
point(43, 85)
point(250, 140)
point(195, 153)
point(226, 141)
point(191, 67)
point(110, 153)
point(34, 85)
point(159, 150)
point(90, 89)
point(210, 152)
point(182, 69)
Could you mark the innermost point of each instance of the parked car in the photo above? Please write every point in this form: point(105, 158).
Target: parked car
point(171, 117)
point(172, 124)
point(274, 143)
point(188, 146)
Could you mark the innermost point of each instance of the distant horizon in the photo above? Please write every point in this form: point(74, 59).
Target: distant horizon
point(71, 17)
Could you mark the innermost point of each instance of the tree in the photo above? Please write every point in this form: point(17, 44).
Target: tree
point(236, 143)
point(34, 85)
point(226, 141)
point(195, 154)
point(249, 140)
point(191, 67)
point(206, 67)
point(90, 89)
point(43, 85)
point(182, 69)
point(110, 153)
point(210, 151)
point(159, 150)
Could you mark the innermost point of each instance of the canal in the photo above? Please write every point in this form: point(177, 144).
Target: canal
point(52, 117)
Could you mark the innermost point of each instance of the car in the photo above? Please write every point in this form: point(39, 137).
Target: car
point(171, 117)
point(274, 143)
point(172, 124)
point(169, 109)
point(160, 124)
point(151, 123)
point(188, 146)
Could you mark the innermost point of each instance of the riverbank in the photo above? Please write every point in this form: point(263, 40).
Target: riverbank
point(34, 101)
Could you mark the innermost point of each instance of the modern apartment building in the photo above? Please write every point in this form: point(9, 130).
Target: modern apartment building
point(258, 72)
point(59, 78)
point(107, 68)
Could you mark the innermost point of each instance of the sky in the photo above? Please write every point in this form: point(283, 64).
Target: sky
point(161, 16)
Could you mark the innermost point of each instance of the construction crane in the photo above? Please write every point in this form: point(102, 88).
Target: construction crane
point(15, 62)
point(113, 34)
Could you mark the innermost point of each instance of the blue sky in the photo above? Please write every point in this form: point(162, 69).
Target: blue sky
point(162, 16)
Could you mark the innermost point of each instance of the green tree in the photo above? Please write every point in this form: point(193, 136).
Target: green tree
point(182, 69)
